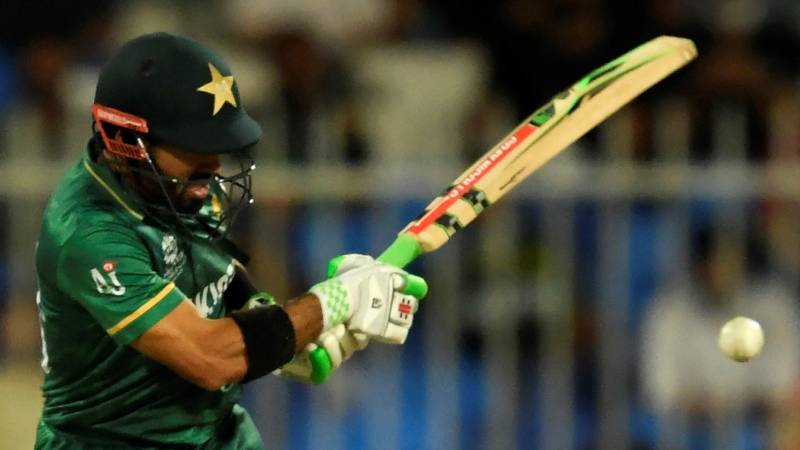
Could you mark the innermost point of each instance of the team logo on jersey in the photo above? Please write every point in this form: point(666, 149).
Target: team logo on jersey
point(174, 258)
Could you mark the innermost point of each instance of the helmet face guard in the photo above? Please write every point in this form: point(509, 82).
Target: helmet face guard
point(228, 195)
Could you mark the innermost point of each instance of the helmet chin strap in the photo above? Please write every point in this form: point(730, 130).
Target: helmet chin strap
point(139, 182)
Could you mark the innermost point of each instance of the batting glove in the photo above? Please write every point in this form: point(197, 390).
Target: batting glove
point(376, 299)
point(338, 343)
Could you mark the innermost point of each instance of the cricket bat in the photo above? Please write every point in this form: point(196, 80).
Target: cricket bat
point(543, 135)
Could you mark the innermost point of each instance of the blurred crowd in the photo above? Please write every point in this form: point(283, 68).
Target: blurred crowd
point(530, 49)
point(306, 66)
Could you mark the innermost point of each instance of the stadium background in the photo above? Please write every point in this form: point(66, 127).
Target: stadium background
point(580, 313)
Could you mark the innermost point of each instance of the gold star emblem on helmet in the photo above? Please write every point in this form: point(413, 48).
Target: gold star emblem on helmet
point(220, 87)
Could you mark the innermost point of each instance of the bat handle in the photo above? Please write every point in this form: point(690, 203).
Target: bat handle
point(403, 250)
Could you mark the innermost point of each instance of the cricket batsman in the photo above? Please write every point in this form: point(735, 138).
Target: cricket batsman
point(150, 324)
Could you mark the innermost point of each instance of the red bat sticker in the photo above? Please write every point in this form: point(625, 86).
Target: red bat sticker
point(458, 191)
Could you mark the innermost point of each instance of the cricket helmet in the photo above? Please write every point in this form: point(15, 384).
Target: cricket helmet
point(164, 89)
point(174, 91)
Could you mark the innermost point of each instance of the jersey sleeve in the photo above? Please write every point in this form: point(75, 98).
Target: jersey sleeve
point(108, 270)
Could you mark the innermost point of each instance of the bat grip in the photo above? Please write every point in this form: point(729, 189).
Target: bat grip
point(403, 250)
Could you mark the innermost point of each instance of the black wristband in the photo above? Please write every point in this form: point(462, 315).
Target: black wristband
point(268, 339)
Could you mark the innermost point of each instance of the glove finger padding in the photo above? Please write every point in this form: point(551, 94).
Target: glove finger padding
point(330, 342)
point(361, 340)
point(387, 322)
point(343, 263)
point(338, 342)
point(401, 317)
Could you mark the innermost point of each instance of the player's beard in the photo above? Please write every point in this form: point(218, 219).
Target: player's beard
point(177, 204)
point(185, 198)
point(158, 190)
point(189, 199)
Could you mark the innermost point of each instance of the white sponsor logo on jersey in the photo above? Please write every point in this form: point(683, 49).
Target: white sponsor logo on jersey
point(210, 296)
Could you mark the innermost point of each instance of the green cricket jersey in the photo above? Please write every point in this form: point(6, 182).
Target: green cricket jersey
point(106, 277)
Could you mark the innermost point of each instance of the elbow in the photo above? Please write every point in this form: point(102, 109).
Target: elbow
point(213, 375)
point(211, 384)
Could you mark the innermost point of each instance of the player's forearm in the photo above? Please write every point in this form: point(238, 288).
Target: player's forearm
point(306, 317)
point(209, 353)
point(220, 359)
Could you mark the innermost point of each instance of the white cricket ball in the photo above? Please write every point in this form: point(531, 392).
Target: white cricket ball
point(741, 339)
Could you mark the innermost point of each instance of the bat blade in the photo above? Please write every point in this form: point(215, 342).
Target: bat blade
point(548, 131)
point(543, 135)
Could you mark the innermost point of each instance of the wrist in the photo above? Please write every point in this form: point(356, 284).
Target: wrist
point(269, 339)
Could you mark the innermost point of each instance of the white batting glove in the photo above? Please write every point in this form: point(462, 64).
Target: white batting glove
point(373, 298)
point(338, 342)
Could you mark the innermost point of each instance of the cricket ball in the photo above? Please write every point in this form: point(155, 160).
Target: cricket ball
point(741, 339)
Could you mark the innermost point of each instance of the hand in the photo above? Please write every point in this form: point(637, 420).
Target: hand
point(338, 342)
point(373, 298)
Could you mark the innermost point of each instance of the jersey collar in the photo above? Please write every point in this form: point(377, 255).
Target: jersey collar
point(109, 183)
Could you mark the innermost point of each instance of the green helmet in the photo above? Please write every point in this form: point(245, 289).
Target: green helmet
point(183, 92)
point(165, 89)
